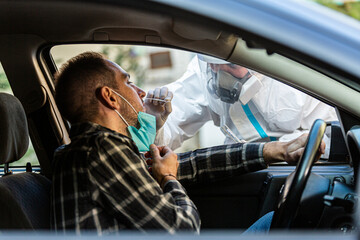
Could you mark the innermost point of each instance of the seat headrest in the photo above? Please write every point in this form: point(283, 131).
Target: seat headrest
point(14, 134)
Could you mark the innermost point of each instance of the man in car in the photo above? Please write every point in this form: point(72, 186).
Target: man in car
point(102, 182)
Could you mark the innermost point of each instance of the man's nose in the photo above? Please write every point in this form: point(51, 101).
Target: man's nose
point(141, 93)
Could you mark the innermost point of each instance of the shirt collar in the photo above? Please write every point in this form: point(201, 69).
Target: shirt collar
point(86, 128)
point(82, 128)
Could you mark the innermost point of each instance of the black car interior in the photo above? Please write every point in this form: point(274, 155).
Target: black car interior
point(25, 42)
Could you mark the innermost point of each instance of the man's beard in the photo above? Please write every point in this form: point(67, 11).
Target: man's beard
point(130, 116)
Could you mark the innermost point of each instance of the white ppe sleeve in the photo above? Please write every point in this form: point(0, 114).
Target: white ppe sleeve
point(190, 109)
point(313, 109)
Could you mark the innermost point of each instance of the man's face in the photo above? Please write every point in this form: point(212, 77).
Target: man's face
point(133, 94)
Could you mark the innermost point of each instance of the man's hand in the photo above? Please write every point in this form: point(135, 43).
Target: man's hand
point(164, 163)
point(289, 152)
point(158, 103)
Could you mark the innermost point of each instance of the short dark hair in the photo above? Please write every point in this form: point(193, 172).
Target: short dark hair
point(77, 83)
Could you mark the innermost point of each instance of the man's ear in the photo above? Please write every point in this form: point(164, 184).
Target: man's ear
point(108, 98)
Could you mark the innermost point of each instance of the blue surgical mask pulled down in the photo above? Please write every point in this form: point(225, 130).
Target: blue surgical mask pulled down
point(145, 135)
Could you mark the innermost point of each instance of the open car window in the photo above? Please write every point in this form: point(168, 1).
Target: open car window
point(212, 107)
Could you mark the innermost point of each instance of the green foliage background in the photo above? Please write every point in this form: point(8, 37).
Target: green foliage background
point(4, 83)
point(351, 8)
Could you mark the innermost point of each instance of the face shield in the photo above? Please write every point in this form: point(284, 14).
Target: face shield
point(227, 83)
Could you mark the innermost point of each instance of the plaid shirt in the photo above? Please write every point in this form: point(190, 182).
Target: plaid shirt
point(101, 182)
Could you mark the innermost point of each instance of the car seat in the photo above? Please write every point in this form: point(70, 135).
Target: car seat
point(24, 197)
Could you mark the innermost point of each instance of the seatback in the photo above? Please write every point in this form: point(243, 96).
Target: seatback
point(24, 201)
point(24, 197)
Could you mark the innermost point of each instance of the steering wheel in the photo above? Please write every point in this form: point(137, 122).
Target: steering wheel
point(295, 183)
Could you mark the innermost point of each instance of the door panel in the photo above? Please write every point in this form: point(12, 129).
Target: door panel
point(230, 203)
point(237, 202)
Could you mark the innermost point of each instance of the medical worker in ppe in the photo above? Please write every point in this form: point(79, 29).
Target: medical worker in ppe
point(246, 105)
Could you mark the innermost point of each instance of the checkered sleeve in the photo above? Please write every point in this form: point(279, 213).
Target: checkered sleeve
point(124, 188)
point(220, 162)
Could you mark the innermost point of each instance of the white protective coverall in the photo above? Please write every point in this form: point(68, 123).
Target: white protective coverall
point(277, 111)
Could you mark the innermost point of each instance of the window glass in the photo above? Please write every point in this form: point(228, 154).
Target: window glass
point(4, 83)
point(30, 155)
point(204, 93)
point(149, 67)
point(158, 66)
